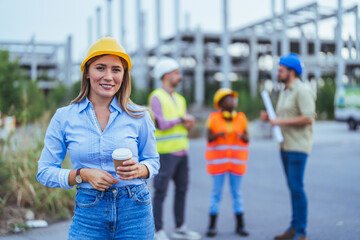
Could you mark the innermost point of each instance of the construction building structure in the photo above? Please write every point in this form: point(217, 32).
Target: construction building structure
point(47, 63)
point(250, 49)
point(250, 52)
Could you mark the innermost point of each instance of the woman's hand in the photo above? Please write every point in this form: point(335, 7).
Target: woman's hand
point(131, 169)
point(99, 179)
point(243, 136)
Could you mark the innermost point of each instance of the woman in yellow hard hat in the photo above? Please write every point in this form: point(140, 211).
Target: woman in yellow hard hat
point(110, 203)
point(226, 154)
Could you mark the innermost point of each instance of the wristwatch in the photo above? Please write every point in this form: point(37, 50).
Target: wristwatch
point(78, 178)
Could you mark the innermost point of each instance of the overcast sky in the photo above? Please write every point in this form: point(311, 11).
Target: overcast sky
point(54, 20)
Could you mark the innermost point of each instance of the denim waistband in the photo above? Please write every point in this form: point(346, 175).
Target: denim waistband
point(114, 191)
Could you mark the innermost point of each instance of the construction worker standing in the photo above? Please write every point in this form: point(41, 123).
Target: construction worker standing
point(295, 112)
point(226, 154)
point(172, 126)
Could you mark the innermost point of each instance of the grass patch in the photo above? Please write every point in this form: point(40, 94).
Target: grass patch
point(19, 189)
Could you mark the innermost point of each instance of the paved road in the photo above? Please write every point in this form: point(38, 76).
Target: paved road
point(332, 183)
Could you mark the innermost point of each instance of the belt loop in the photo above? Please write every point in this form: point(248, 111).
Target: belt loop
point(102, 195)
point(129, 191)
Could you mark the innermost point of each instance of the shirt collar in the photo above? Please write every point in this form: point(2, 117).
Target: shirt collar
point(114, 105)
point(83, 104)
point(294, 84)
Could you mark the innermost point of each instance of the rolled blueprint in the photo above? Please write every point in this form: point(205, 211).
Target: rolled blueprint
point(270, 110)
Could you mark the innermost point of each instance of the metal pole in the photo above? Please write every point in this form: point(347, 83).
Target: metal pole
point(357, 32)
point(339, 46)
point(317, 47)
point(187, 22)
point(225, 60)
point(33, 60)
point(253, 71)
point(349, 46)
point(177, 30)
point(199, 68)
point(90, 32)
point(304, 54)
point(274, 46)
point(178, 39)
point(140, 73)
point(122, 24)
point(285, 41)
point(109, 18)
point(68, 62)
point(157, 82)
point(98, 22)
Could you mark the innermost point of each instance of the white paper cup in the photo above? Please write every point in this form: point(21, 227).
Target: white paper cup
point(120, 155)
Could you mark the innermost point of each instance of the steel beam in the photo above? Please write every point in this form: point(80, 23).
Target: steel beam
point(199, 68)
point(109, 18)
point(98, 23)
point(254, 70)
point(225, 40)
point(122, 24)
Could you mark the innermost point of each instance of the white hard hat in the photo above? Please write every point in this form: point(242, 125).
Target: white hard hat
point(164, 65)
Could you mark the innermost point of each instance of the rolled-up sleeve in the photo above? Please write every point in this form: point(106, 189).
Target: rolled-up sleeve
point(50, 173)
point(148, 154)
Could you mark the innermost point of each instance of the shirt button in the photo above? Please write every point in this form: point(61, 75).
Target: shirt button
point(114, 191)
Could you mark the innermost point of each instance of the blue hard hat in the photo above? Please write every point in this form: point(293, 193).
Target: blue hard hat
point(292, 61)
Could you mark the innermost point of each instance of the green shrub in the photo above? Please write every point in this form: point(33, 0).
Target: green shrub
point(19, 188)
point(247, 104)
point(139, 96)
point(32, 104)
point(11, 78)
point(325, 100)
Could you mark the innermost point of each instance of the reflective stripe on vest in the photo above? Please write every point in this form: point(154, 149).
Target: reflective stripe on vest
point(225, 147)
point(227, 154)
point(226, 160)
point(173, 139)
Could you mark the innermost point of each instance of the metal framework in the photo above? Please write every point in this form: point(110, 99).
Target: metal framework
point(47, 63)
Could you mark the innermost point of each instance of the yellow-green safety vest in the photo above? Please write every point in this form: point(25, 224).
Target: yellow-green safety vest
point(173, 139)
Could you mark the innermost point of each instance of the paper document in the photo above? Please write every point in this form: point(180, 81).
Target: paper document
point(270, 111)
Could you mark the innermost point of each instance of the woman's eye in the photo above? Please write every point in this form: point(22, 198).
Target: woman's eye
point(100, 68)
point(117, 70)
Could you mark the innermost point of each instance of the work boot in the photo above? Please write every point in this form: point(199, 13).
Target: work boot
point(240, 228)
point(211, 232)
point(287, 235)
point(300, 237)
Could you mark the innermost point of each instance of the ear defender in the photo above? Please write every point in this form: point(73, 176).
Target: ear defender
point(229, 115)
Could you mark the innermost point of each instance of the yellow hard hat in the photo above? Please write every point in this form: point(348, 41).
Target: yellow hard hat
point(106, 45)
point(222, 92)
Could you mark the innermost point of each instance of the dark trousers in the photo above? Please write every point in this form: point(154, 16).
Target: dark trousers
point(175, 168)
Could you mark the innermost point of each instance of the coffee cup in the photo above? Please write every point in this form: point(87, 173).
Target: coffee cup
point(120, 155)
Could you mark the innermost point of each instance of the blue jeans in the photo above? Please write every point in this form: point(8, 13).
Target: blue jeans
point(117, 213)
point(235, 184)
point(294, 167)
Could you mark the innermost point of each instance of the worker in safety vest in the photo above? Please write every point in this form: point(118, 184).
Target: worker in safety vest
point(226, 154)
point(172, 126)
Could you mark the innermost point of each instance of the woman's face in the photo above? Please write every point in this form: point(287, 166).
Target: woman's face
point(228, 103)
point(106, 76)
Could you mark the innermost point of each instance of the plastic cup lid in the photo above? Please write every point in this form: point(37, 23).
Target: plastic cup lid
point(121, 154)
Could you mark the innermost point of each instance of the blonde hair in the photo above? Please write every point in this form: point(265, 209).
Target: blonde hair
point(122, 96)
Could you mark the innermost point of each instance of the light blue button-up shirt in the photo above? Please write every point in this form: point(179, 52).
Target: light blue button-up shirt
point(75, 128)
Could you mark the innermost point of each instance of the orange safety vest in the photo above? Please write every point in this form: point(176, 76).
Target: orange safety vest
point(229, 153)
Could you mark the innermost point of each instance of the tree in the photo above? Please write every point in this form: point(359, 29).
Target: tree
point(11, 76)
